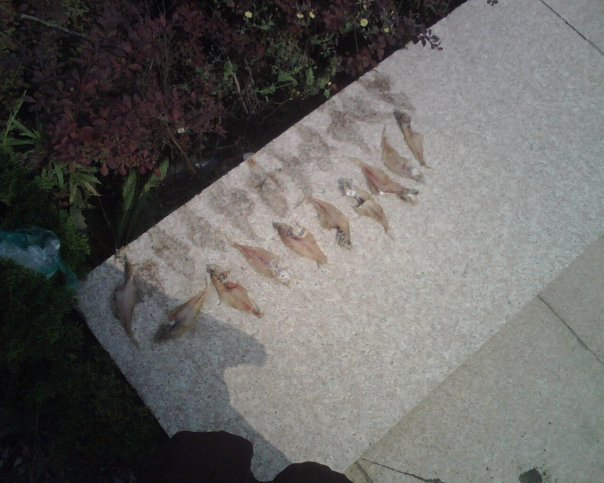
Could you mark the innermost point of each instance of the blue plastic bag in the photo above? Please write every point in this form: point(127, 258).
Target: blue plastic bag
point(37, 249)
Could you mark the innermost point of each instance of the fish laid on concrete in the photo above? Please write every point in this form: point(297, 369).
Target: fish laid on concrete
point(232, 293)
point(366, 204)
point(332, 218)
point(184, 318)
point(379, 182)
point(125, 297)
point(302, 242)
point(399, 164)
point(414, 140)
point(264, 262)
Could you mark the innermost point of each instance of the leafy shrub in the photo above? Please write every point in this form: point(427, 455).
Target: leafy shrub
point(62, 400)
point(118, 85)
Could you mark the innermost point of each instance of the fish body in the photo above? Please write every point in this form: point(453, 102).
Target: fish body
point(125, 298)
point(184, 318)
point(302, 242)
point(263, 262)
point(232, 293)
point(414, 140)
point(366, 204)
point(379, 182)
point(332, 218)
point(399, 164)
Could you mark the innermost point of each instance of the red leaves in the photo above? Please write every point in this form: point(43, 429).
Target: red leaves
point(145, 79)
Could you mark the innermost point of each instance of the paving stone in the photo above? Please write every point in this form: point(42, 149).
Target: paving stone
point(511, 111)
point(577, 296)
point(530, 401)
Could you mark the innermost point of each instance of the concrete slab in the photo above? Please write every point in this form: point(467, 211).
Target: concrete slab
point(512, 115)
point(587, 16)
point(531, 398)
point(577, 296)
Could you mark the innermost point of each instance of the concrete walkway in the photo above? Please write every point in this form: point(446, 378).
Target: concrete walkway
point(530, 402)
point(512, 113)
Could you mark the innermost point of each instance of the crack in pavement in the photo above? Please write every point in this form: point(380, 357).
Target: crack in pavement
point(364, 473)
point(427, 480)
point(572, 27)
point(577, 336)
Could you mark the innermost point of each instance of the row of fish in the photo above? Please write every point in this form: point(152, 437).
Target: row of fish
point(300, 240)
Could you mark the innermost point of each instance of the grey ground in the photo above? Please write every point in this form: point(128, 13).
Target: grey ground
point(532, 398)
point(512, 115)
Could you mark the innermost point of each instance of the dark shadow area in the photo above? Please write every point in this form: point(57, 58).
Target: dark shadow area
point(220, 457)
point(182, 379)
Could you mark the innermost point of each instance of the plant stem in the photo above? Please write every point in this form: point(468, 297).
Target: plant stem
point(51, 25)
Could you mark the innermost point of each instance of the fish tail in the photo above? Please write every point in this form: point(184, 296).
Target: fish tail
point(131, 335)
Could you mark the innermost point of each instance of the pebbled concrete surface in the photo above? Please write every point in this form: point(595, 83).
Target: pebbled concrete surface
point(529, 403)
point(512, 115)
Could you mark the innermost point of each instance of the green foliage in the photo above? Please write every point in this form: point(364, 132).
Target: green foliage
point(136, 196)
point(65, 408)
point(73, 185)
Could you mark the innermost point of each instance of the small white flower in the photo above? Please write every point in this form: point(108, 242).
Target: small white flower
point(181, 130)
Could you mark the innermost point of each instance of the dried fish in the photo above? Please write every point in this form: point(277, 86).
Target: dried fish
point(397, 163)
point(366, 204)
point(330, 217)
point(125, 297)
point(414, 140)
point(232, 293)
point(185, 318)
point(269, 188)
point(302, 242)
point(379, 182)
point(264, 262)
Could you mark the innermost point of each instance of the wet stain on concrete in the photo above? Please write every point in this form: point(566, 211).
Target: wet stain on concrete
point(378, 85)
point(236, 206)
point(294, 169)
point(314, 148)
point(172, 251)
point(148, 271)
point(269, 188)
point(201, 233)
point(342, 127)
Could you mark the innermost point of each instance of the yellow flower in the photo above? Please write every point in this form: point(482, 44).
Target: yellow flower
point(300, 15)
point(386, 29)
point(364, 22)
point(311, 14)
point(248, 14)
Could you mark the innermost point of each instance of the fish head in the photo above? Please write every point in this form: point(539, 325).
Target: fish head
point(409, 195)
point(402, 118)
point(346, 188)
point(283, 276)
point(282, 228)
point(417, 175)
point(216, 273)
point(343, 240)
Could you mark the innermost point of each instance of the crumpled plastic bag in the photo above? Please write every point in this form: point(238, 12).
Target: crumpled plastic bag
point(37, 249)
